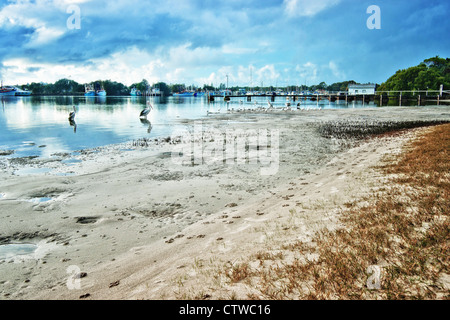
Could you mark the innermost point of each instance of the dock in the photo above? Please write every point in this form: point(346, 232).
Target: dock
point(380, 97)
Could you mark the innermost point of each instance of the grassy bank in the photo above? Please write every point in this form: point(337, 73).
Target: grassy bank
point(401, 230)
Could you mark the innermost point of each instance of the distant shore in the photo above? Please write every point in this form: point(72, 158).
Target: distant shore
point(143, 224)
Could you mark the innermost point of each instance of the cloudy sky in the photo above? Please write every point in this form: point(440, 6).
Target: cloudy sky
point(254, 42)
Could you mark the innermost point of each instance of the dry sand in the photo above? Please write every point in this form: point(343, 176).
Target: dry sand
point(130, 222)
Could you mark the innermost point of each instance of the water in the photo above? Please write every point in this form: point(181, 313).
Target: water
point(8, 251)
point(39, 126)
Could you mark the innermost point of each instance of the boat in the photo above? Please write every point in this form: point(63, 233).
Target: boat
point(135, 92)
point(22, 93)
point(101, 93)
point(99, 90)
point(184, 94)
point(89, 91)
point(7, 91)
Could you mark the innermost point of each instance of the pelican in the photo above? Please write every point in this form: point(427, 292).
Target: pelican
point(146, 111)
point(73, 124)
point(72, 114)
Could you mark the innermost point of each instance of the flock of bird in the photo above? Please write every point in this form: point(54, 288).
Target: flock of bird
point(144, 113)
point(258, 108)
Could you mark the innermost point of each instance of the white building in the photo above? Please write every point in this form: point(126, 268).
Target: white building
point(360, 89)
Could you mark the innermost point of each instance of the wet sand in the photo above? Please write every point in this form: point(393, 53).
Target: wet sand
point(134, 221)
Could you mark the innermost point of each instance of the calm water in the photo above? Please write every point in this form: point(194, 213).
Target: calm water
point(39, 126)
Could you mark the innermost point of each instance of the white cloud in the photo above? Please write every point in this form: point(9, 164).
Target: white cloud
point(44, 35)
point(307, 8)
point(339, 74)
point(308, 72)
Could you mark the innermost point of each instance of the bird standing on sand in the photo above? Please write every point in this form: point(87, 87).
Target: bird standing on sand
point(72, 114)
point(146, 111)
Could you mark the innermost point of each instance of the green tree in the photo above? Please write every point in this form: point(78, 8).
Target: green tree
point(163, 87)
point(429, 74)
point(114, 88)
point(174, 88)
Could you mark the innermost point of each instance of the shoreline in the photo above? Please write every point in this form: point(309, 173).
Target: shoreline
point(140, 221)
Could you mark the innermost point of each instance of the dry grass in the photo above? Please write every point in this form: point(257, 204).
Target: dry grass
point(404, 230)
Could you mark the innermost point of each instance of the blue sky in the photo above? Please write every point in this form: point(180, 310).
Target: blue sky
point(269, 42)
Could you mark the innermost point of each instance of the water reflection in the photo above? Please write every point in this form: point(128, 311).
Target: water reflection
point(73, 124)
point(147, 123)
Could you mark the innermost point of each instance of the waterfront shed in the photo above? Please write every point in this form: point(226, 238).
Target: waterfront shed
point(361, 89)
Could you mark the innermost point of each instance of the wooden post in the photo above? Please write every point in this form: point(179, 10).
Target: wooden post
point(438, 100)
point(400, 99)
point(419, 100)
point(381, 100)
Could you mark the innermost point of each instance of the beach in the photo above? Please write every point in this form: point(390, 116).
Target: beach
point(156, 218)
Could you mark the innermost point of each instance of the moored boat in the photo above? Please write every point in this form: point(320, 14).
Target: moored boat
point(7, 91)
point(135, 92)
point(22, 93)
point(101, 93)
point(89, 91)
point(184, 94)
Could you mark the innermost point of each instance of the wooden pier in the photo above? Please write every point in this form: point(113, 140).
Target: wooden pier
point(381, 98)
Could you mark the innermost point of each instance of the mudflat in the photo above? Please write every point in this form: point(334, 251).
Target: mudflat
point(153, 219)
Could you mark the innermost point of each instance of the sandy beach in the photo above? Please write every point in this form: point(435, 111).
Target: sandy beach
point(149, 220)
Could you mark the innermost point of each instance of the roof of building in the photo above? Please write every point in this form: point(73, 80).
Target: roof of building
point(360, 86)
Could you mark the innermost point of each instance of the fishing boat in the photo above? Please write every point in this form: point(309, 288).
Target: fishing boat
point(101, 93)
point(135, 92)
point(184, 94)
point(89, 91)
point(99, 90)
point(7, 91)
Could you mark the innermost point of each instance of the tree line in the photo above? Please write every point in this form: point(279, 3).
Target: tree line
point(428, 75)
point(113, 88)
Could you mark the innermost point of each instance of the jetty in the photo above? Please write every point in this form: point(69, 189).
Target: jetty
point(422, 97)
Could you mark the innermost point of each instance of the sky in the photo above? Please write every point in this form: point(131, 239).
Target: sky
point(196, 42)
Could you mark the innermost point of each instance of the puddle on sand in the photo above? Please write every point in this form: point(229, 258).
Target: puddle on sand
point(8, 251)
point(71, 162)
point(40, 200)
